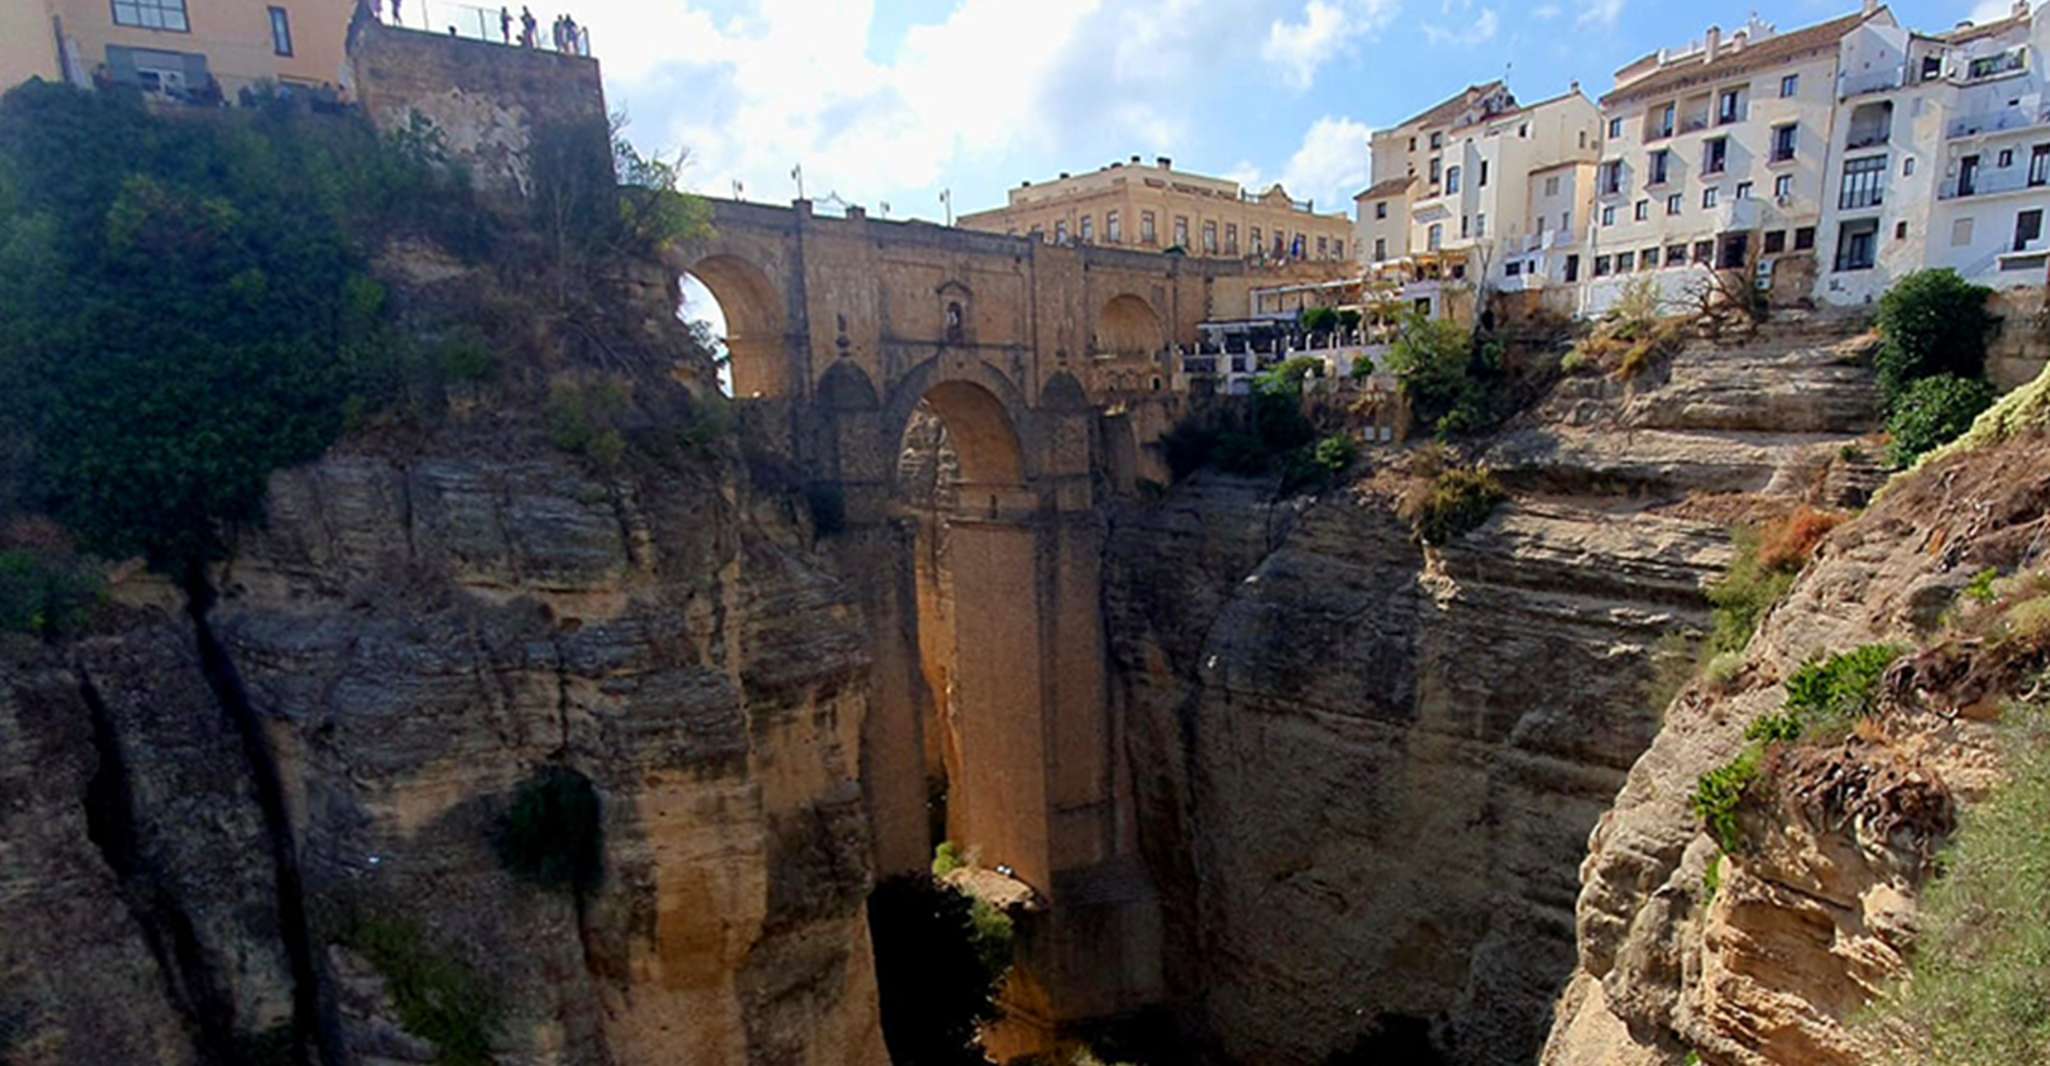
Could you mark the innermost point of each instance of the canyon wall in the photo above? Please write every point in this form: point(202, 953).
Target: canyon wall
point(431, 615)
point(1367, 769)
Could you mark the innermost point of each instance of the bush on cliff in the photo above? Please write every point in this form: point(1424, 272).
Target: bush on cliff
point(184, 306)
point(1980, 988)
point(1933, 412)
point(939, 967)
point(1451, 380)
point(1932, 322)
point(45, 595)
point(438, 998)
point(1452, 503)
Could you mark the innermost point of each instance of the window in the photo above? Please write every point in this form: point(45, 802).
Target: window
point(1615, 129)
point(1412, 144)
point(1744, 190)
point(1961, 233)
point(1642, 211)
point(1968, 175)
point(1380, 249)
point(1480, 225)
point(1254, 243)
point(1113, 229)
point(1715, 155)
point(1523, 129)
point(1380, 209)
point(1790, 85)
point(1512, 268)
point(2039, 164)
point(1703, 251)
point(2028, 227)
point(1857, 245)
point(1437, 140)
point(1932, 67)
point(1231, 238)
point(1900, 230)
point(1626, 262)
point(1572, 268)
point(1601, 266)
point(1552, 183)
point(1804, 238)
point(1583, 138)
point(1483, 183)
point(1437, 170)
point(1863, 180)
point(1775, 242)
point(2006, 158)
point(1612, 178)
point(2010, 60)
point(1147, 234)
point(1609, 215)
point(1451, 179)
point(1060, 232)
point(1783, 142)
point(1727, 107)
point(152, 14)
point(1323, 248)
point(1435, 239)
point(1088, 231)
point(1676, 255)
point(1566, 220)
point(1736, 249)
point(1648, 259)
point(1466, 225)
point(1709, 196)
point(1908, 167)
point(1209, 238)
point(1783, 187)
point(280, 32)
point(1663, 126)
point(1181, 231)
point(1676, 203)
point(1661, 167)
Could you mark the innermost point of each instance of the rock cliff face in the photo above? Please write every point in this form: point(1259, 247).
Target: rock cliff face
point(423, 622)
point(1814, 917)
point(1367, 769)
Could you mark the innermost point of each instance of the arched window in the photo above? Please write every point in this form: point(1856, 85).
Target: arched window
point(956, 330)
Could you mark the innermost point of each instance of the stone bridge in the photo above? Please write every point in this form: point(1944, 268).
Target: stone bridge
point(990, 723)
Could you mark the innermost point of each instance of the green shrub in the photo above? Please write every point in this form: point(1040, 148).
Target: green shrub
point(185, 308)
point(582, 420)
point(940, 961)
point(1336, 453)
point(1932, 412)
point(1742, 597)
point(1980, 589)
point(947, 858)
point(1833, 693)
point(438, 999)
point(553, 834)
point(1722, 668)
point(1286, 377)
point(1712, 879)
point(1455, 502)
point(1319, 320)
point(1719, 794)
point(1776, 728)
point(1248, 437)
point(1979, 994)
point(1451, 381)
point(1932, 322)
point(43, 596)
point(467, 356)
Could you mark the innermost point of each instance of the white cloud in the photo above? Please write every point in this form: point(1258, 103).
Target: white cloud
point(1331, 164)
point(1990, 11)
point(1600, 13)
point(1481, 31)
point(1545, 12)
point(1300, 47)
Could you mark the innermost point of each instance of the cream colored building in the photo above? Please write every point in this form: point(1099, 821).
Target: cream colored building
point(1153, 208)
point(1717, 155)
point(174, 47)
point(1479, 189)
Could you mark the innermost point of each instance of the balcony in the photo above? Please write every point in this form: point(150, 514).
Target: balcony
point(1867, 138)
point(1990, 184)
point(1883, 80)
point(2001, 121)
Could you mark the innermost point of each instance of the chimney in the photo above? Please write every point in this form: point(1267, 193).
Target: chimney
point(1135, 160)
point(1573, 86)
point(1714, 44)
point(1870, 8)
point(1165, 162)
point(1064, 175)
point(2021, 7)
point(1738, 40)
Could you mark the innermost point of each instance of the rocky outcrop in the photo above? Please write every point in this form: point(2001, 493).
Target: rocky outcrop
point(1366, 769)
point(1816, 914)
point(424, 621)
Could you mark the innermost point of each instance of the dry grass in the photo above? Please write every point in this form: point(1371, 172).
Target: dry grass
point(1788, 543)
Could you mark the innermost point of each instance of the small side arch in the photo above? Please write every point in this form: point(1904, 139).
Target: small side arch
point(756, 323)
point(1128, 325)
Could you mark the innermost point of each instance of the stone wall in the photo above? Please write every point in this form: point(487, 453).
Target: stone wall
point(487, 99)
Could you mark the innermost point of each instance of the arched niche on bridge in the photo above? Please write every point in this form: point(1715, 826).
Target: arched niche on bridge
point(1128, 325)
point(981, 433)
point(757, 329)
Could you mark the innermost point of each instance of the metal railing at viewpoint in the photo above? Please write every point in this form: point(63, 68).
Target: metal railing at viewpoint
point(478, 23)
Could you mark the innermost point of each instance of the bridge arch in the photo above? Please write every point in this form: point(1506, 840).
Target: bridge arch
point(1128, 325)
point(984, 414)
point(757, 323)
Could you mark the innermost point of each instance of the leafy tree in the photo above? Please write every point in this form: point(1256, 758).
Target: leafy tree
point(1348, 320)
point(1319, 320)
point(939, 966)
point(1932, 322)
point(1932, 412)
point(1448, 378)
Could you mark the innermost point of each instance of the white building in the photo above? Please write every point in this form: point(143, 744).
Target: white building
point(1943, 158)
point(1716, 156)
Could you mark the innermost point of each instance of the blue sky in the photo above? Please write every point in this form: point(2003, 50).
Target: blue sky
point(891, 102)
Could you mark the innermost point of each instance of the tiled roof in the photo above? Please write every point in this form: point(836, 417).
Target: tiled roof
point(1449, 109)
point(1729, 61)
point(1387, 188)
